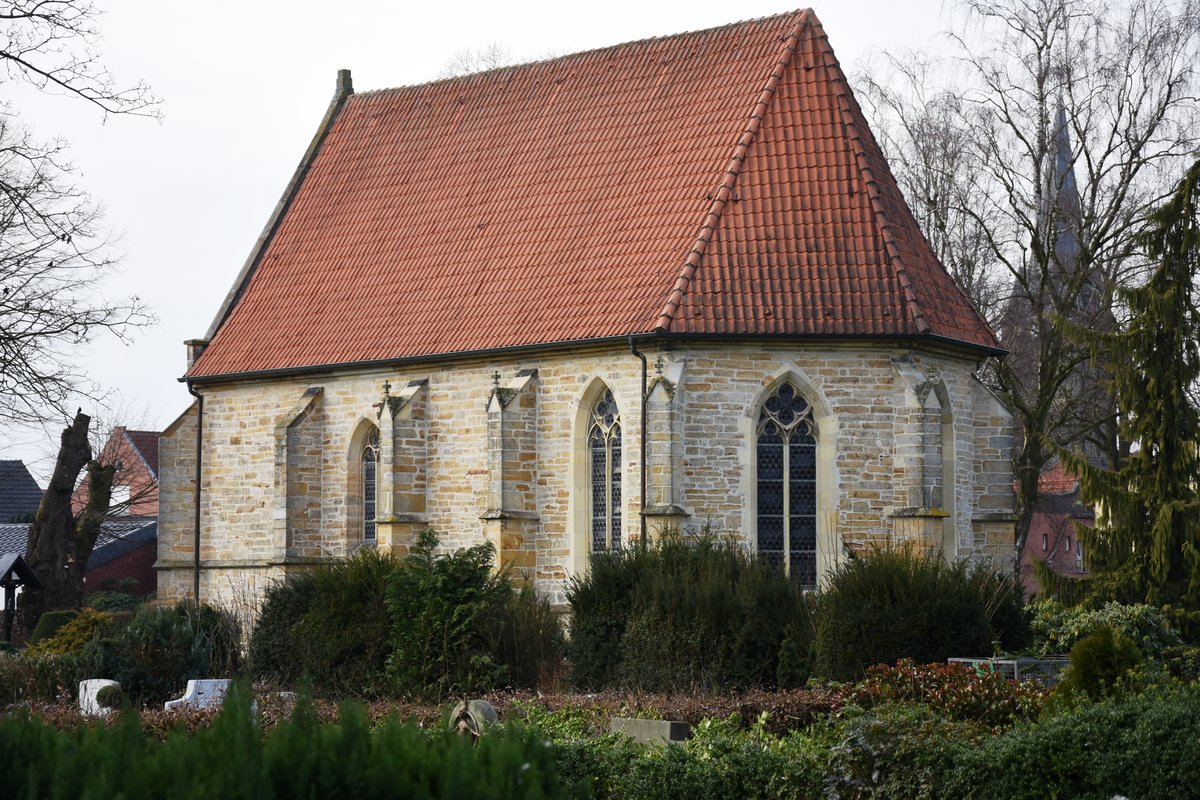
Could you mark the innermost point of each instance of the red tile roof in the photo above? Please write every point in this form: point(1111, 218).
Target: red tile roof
point(146, 445)
point(719, 182)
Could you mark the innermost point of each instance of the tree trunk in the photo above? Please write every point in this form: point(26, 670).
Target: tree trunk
point(51, 550)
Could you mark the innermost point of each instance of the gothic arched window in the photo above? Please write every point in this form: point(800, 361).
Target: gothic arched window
point(786, 491)
point(369, 460)
point(604, 454)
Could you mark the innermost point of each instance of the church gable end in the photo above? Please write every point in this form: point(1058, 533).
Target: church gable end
point(658, 287)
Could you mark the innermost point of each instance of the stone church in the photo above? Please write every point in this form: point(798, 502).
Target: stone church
point(666, 285)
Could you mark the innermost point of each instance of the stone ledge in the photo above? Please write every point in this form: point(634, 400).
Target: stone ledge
point(996, 516)
point(666, 511)
point(503, 514)
point(913, 512)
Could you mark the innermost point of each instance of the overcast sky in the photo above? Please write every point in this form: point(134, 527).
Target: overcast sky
point(244, 85)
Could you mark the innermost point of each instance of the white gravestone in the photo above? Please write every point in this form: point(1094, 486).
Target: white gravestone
point(208, 693)
point(89, 706)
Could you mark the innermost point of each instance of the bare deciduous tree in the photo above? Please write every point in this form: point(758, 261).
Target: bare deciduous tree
point(53, 254)
point(1031, 164)
point(466, 61)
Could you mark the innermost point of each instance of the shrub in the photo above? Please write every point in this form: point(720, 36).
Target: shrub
point(527, 637)
point(686, 613)
point(160, 649)
point(285, 603)
point(298, 758)
point(1182, 662)
point(76, 633)
point(898, 752)
point(706, 615)
point(953, 690)
point(329, 623)
point(1100, 663)
point(600, 602)
point(901, 604)
point(114, 601)
point(719, 761)
point(39, 678)
point(440, 607)
point(340, 641)
point(1057, 628)
point(1142, 747)
point(110, 697)
point(49, 623)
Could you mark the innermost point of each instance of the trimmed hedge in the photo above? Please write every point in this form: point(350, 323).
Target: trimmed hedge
point(900, 604)
point(298, 758)
point(686, 614)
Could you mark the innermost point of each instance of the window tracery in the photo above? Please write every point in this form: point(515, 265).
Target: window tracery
point(786, 491)
point(604, 452)
point(369, 462)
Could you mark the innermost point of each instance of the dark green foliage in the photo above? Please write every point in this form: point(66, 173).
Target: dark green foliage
point(49, 623)
point(114, 602)
point(525, 635)
point(898, 752)
point(329, 623)
point(45, 678)
point(159, 650)
point(900, 604)
point(426, 625)
point(298, 759)
point(1100, 664)
point(110, 696)
point(600, 609)
point(441, 607)
point(1057, 628)
point(1143, 747)
point(719, 762)
point(684, 614)
point(75, 635)
point(340, 641)
point(1147, 547)
point(1182, 662)
point(284, 605)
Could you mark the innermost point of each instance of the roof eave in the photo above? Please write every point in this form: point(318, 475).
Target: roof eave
point(978, 350)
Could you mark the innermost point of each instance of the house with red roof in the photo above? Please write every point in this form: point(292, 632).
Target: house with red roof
point(127, 546)
point(562, 306)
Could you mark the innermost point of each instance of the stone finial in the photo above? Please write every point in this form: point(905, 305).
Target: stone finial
point(345, 84)
point(496, 378)
point(387, 388)
point(658, 365)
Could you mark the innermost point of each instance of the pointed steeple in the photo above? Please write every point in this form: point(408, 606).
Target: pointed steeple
point(1063, 209)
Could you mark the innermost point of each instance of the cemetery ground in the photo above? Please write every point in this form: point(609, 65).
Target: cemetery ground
point(348, 681)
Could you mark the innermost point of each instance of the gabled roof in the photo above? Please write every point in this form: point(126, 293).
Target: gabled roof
point(20, 494)
point(117, 536)
point(719, 182)
point(145, 444)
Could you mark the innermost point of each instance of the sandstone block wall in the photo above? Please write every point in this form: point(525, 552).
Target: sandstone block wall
point(487, 432)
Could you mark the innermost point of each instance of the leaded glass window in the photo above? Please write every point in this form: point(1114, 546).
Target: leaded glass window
point(786, 459)
point(370, 472)
point(604, 453)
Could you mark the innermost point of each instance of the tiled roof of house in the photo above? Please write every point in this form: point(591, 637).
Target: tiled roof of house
point(718, 182)
point(117, 536)
point(20, 494)
point(146, 445)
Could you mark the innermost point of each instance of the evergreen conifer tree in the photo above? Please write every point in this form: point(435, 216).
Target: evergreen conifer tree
point(1146, 543)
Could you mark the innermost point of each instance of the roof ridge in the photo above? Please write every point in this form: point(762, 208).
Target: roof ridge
point(732, 172)
point(846, 104)
point(360, 95)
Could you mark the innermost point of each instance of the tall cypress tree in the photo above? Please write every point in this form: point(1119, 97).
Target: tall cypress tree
point(1146, 544)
